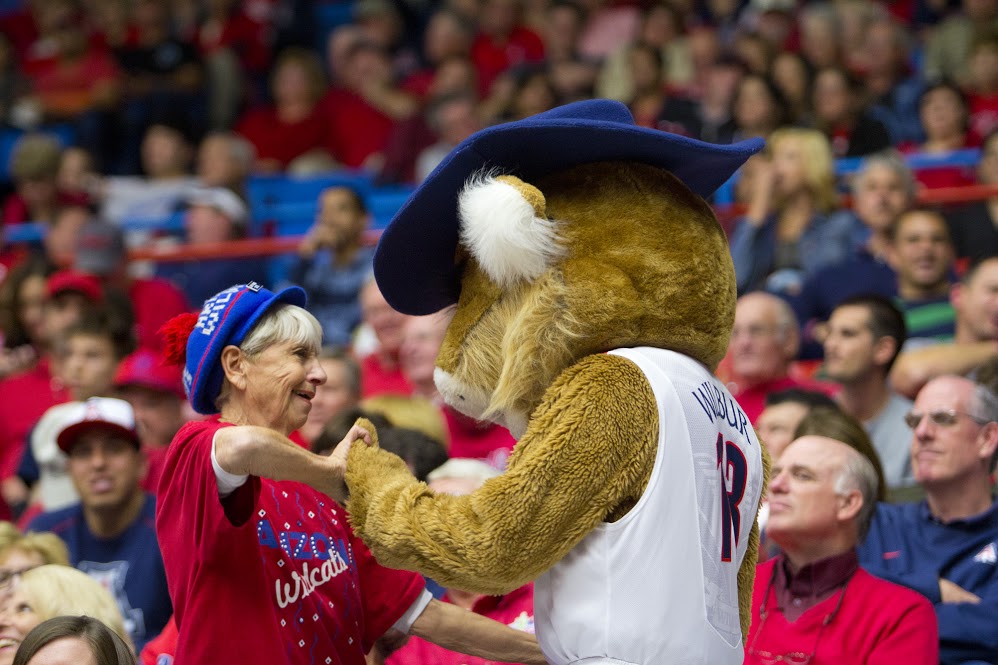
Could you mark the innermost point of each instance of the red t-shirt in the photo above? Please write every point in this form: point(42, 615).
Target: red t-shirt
point(154, 302)
point(283, 141)
point(492, 58)
point(160, 649)
point(246, 37)
point(357, 130)
point(24, 398)
point(515, 609)
point(376, 380)
point(983, 115)
point(471, 438)
point(66, 88)
point(272, 573)
point(15, 208)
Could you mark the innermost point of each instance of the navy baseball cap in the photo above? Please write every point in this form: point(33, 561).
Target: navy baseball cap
point(225, 319)
point(414, 263)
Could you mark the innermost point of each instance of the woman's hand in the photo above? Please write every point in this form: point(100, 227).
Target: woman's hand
point(361, 431)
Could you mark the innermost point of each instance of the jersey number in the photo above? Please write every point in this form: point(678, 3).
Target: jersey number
point(734, 471)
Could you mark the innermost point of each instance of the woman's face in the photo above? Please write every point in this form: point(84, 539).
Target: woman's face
point(280, 385)
point(17, 618)
point(943, 114)
point(832, 99)
point(788, 167)
point(291, 84)
point(790, 77)
point(31, 306)
point(754, 108)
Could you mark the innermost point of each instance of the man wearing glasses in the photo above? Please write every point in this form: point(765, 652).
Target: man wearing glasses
point(946, 547)
point(813, 604)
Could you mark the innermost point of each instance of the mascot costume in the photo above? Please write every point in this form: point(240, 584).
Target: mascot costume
point(592, 295)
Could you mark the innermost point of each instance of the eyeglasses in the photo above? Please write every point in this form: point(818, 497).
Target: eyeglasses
point(941, 418)
point(792, 657)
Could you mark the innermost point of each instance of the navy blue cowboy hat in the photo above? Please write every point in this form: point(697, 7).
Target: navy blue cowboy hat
point(414, 262)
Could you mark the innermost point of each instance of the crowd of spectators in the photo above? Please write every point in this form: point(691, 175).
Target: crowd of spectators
point(861, 312)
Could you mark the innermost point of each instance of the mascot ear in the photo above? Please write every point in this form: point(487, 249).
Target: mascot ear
point(506, 229)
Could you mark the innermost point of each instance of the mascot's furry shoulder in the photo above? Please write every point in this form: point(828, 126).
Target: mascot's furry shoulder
point(557, 241)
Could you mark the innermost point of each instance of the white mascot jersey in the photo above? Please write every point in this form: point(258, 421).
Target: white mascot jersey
point(659, 586)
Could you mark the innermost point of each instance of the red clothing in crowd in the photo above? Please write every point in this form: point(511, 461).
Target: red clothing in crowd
point(492, 58)
point(357, 130)
point(15, 209)
point(244, 35)
point(24, 398)
point(283, 141)
point(375, 379)
point(877, 623)
point(154, 302)
point(472, 438)
point(162, 646)
point(66, 88)
point(945, 176)
point(753, 399)
point(155, 460)
point(270, 574)
point(515, 609)
point(983, 115)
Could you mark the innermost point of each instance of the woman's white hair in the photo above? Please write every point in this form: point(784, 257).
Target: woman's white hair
point(284, 323)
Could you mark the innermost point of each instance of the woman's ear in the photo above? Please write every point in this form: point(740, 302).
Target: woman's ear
point(234, 365)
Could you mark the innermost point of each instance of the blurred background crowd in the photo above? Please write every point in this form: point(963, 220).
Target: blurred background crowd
point(146, 145)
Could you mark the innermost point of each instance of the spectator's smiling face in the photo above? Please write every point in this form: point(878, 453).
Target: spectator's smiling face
point(279, 386)
point(17, 618)
point(922, 250)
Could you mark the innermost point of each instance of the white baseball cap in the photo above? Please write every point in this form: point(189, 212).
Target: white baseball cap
point(98, 413)
point(224, 200)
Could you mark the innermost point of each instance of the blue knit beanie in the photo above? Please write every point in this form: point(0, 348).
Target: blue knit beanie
point(225, 319)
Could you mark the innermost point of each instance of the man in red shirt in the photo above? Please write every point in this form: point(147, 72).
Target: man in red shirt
point(813, 603)
point(764, 341)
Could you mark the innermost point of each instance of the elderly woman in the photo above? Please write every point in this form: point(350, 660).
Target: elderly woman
point(50, 591)
point(262, 564)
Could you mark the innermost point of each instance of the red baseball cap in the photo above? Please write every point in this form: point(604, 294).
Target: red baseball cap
point(98, 413)
point(147, 369)
point(67, 280)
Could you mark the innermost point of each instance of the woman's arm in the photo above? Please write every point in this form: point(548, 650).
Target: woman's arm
point(457, 629)
point(259, 451)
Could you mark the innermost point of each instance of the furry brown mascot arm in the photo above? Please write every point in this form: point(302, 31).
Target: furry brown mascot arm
point(561, 478)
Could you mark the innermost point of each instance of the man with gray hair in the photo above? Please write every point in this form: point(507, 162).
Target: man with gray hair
point(764, 341)
point(946, 546)
point(883, 188)
point(812, 602)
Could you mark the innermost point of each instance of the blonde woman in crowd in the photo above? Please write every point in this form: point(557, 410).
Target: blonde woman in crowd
point(20, 552)
point(49, 591)
point(787, 233)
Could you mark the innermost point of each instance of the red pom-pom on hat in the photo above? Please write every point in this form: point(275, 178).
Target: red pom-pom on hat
point(175, 333)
